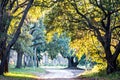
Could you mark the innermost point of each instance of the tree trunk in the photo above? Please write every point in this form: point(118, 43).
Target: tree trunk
point(37, 63)
point(4, 62)
point(3, 66)
point(19, 60)
point(25, 62)
point(14, 39)
point(35, 58)
point(111, 66)
point(72, 63)
point(30, 61)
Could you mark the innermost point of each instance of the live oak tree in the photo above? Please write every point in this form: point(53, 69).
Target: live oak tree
point(7, 9)
point(102, 17)
point(99, 16)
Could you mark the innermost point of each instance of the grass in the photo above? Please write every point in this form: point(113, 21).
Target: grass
point(96, 74)
point(27, 73)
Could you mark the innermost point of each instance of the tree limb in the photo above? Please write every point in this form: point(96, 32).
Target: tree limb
point(11, 4)
point(115, 28)
point(36, 44)
point(117, 52)
point(20, 5)
point(17, 33)
point(89, 23)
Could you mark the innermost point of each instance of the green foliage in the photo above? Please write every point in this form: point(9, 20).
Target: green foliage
point(38, 32)
point(52, 47)
point(64, 45)
point(24, 41)
point(83, 61)
point(59, 44)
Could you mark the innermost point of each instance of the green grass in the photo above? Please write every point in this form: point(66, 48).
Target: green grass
point(26, 70)
point(27, 73)
point(101, 75)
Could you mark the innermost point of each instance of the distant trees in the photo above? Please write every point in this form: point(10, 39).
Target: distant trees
point(22, 45)
point(61, 44)
point(31, 43)
point(38, 32)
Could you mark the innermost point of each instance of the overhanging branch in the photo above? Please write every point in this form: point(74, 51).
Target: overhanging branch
point(17, 33)
point(90, 26)
point(115, 28)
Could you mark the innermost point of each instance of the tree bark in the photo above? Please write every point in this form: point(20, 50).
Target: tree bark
point(35, 58)
point(111, 66)
point(37, 63)
point(19, 60)
point(4, 65)
point(2, 54)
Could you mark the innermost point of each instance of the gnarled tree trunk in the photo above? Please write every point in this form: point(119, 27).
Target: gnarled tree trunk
point(72, 63)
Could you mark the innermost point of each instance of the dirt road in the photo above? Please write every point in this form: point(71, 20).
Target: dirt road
point(59, 74)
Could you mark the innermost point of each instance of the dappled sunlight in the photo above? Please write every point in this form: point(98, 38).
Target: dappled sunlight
point(20, 75)
point(23, 73)
point(95, 69)
point(51, 39)
point(99, 73)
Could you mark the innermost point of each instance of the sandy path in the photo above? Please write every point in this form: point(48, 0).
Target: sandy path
point(59, 73)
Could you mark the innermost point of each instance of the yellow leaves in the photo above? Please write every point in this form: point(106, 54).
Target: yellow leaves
point(87, 45)
point(77, 45)
point(34, 14)
point(97, 19)
point(50, 34)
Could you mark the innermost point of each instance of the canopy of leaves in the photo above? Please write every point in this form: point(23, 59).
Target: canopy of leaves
point(24, 42)
point(60, 44)
point(89, 46)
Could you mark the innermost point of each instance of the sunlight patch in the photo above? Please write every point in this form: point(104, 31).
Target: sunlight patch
point(20, 75)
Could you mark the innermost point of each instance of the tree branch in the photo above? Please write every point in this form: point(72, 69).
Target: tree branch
point(3, 4)
point(11, 4)
point(114, 11)
point(117, 52)
point(20, 5)
point(99, 5)
point(115, 28)
point(36, 44)
point(89, 23)
point(17, 33)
